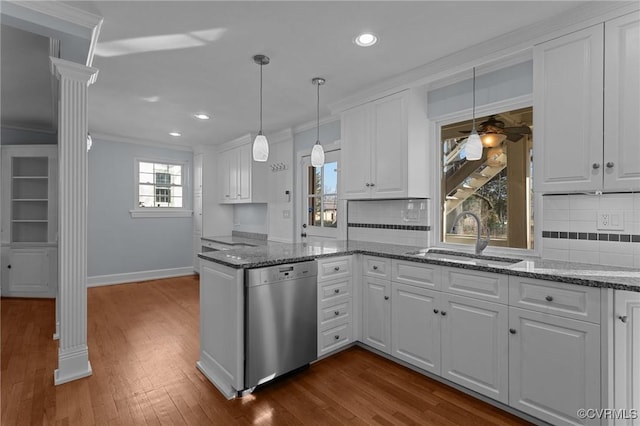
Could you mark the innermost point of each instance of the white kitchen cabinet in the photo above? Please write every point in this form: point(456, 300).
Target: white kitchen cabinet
point(335, 304)
point(622, 102)
point(585, 137)
point(475, 345)
point(241, 179)
point(384, 148)
point(376, 313)
point(415, 326)
point(29, 229)
point(222, 326)
point(554, 366)
point(626, 351)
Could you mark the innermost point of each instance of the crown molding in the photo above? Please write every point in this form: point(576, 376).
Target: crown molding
point(143, 142)
point(491, 52)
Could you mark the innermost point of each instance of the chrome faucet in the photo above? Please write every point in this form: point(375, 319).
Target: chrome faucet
point(480, 243)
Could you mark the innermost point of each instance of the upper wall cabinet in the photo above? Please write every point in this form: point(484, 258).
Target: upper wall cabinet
point(241, 179)
point(384, 148)
point(586, 108)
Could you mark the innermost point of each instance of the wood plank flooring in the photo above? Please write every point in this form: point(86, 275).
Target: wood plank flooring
point(143, 346)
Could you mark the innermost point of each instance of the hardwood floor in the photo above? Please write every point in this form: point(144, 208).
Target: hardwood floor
point(143, 346)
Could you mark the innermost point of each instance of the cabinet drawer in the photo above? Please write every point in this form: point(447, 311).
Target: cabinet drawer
point(376, 267)
point(413, 273)
point(566, 300)
point(477, 284)
point(334, 338)
point(333, 291)
point(332, 315)
point(335, 267)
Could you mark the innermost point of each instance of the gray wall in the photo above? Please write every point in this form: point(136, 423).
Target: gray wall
point(117, 243)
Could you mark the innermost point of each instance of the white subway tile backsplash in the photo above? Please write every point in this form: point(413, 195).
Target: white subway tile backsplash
point(584, 245)
point(584, 256)
point(616, 202)
point(584, 202)
point(556, 202)
point(556, 254)
point(614, 259)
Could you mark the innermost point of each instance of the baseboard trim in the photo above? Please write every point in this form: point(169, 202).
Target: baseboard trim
point(129, 277)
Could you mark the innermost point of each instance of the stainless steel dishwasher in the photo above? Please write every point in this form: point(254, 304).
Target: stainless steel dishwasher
point(280, 320)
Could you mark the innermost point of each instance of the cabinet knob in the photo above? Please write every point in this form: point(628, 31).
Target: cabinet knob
point(336, 291)
point(373, 184)
point(8, 266)
point(512, 330)
point(367, 184)
point(549, 298)
point(443, 313)
point(337, 337)
point(336, 313)
point(375, 268)
point(337, 268)
point(227, 196)
point(386, 298)
point(596, 166)
point(435, 311)
point(623, 318)
point(610, 165)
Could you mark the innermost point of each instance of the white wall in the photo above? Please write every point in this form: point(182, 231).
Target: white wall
point(121, 248)
point(279, 181)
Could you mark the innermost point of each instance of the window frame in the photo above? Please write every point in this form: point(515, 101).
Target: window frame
point(436, 189)
point(149, 212)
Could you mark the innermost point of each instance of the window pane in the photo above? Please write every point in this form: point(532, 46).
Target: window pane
point(330, 173)
point(146, 177)
point(497, 188)
point(330, 211)
point(146, 201)
point(315, 213)
point(163, 178)
point(161, 168)
point(176, 180)
point(175, 169)
point(146, 190)
point(176, 202)
point(145, 167)
point(176, 191)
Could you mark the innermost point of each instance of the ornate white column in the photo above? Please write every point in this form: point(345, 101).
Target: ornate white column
point(73, 352)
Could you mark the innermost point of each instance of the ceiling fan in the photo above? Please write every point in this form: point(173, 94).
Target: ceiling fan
point(493, 126)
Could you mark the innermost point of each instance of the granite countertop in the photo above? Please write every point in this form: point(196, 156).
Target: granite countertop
point(268, 253)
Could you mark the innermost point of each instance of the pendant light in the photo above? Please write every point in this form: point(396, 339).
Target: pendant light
point(260, 144)
point(317, 153)
point(473, 147)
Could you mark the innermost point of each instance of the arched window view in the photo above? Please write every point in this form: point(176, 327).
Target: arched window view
point(497, 188)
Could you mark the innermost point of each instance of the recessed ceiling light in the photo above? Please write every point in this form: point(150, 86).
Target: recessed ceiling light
point(202, 116)
point(366, 40)
point(175, 134)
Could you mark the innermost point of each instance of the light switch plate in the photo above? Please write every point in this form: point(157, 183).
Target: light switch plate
point(610, 220)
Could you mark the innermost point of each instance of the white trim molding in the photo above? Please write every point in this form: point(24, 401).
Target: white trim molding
point(133, 277)
point(160, 212)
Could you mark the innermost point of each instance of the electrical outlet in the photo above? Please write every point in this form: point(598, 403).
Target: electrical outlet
point(610, 220)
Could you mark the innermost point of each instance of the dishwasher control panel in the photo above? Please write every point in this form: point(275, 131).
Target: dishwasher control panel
point(273, 274)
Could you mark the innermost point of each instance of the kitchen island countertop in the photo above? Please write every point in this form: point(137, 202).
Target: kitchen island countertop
point(267, 253)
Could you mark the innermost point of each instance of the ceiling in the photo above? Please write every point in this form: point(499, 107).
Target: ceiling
point(160, 62)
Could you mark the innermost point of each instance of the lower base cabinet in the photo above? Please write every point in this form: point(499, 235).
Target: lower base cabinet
point(29, 272)
point(626, 363)
point(376, 313)
point(475, 352)
point(554, 366)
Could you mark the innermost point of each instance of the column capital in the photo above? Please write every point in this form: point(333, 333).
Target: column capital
point(62, 68)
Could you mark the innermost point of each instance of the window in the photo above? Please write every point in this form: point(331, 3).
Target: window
point(497, 188)
point(161, 189)
point(320, 203)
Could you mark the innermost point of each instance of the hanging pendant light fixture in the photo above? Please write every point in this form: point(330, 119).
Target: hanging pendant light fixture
point(260, 144)
point(473, 147)
point(317, 153)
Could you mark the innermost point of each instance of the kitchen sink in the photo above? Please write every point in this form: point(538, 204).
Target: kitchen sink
point(464, 258)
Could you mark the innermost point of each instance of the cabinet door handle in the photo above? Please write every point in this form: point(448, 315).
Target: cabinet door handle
point(375, 268)
point(336, 313)
point(512, 330)
point(596, 166)
point(610, 165)
point(337, 268)
point(549, 298)
point(623, 318)
point(443, 313)
point(336, 291)
point(337, 337)
point(386, 298)
point(435, 311)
